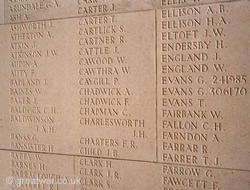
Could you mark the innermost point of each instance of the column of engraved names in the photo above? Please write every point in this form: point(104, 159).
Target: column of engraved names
point(103, 101)
point(26, 170)
point(29, 166)
point(96, 173)
point(21, 10)
point(193, 77)
point(27, 86)
point(109, 105)
point(176, 177)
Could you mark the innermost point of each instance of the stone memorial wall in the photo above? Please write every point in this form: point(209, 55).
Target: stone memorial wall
point(124, 95)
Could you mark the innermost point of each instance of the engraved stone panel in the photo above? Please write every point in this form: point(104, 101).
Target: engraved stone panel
point(27, 103)
point(203, 86)
point(101, 75)
point(111, 86)
point(124, 123)
point(124, 94)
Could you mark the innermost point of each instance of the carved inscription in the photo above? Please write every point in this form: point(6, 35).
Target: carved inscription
point(198, 84)
point(87, 7)
point(19, 10)
point(27, 85)
point(183, 177)
point(23, 166)
point(96, 173)
point(124, 94)
point(108, 93)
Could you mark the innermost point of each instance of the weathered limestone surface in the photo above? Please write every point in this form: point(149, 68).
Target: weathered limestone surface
point(125, 94)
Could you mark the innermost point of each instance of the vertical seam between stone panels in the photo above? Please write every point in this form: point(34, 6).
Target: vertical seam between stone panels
point(156, 87)
point(74, 169)
point(4, 12)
